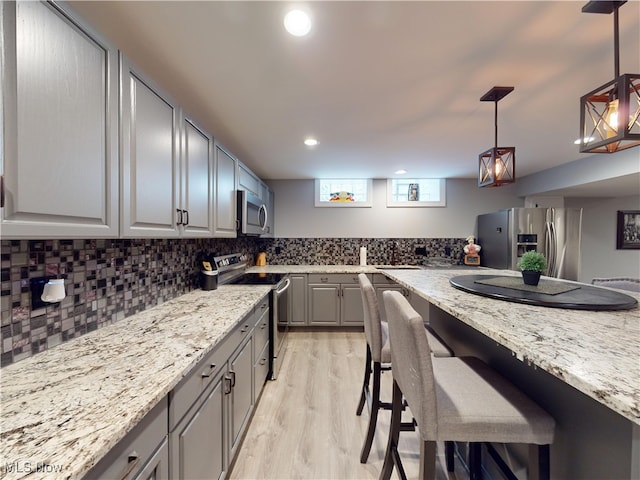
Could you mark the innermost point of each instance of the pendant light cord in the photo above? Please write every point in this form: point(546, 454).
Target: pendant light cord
point(495, 139)
point(616, 44)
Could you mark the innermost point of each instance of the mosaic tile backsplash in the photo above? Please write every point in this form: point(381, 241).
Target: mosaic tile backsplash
point(109, 280)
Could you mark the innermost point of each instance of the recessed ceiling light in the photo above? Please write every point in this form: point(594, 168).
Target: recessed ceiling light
point(402, 171)
point(310, 142)
point(297, 23)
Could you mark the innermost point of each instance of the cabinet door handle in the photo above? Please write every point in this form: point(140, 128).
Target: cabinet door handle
point(132, 459)
point(227, 385)
point(233, 378)
point(179, 212)
point(264, 325)
point(324, 279)
point(186, 216)
point(1, 191)
point(244, 329)
point(263, 361)
point(212, 369)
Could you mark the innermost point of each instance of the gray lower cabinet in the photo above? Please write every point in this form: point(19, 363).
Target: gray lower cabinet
point(298, 299)
point(198, 442)
point(59, 117)
point(334, 299)
point(142, 454)
point(241, 394)
point(261, 342)
point(210, 408)
point(195, 431)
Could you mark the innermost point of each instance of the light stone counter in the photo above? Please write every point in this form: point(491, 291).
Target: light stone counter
point(62, 410)
point(596, 352)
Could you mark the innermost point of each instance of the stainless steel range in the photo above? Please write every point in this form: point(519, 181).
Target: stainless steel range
point(232, 271)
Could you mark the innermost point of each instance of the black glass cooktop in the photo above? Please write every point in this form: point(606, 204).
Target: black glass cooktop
point(258, 279)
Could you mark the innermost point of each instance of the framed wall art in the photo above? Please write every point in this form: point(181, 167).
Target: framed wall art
point(628, 229)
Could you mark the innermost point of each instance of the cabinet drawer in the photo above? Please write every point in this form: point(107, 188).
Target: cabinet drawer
point(128, 457)
point(261, 312)
point(333, 278)
point(261, 370)
point(261, 334)
point(189, 389)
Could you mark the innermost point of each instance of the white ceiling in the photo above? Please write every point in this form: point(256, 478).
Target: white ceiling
point(382, 85)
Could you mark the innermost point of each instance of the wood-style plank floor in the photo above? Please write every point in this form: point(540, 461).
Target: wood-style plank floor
point(305, 426)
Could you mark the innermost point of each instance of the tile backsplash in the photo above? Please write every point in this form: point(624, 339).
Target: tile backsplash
point(108, 280)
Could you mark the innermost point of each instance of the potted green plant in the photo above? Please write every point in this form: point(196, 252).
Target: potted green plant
point(533, 264)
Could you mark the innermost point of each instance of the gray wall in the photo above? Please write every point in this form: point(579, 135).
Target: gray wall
point(296, 216)
point(600, 258)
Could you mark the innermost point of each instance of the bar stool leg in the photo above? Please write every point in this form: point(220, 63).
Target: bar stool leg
point(365, 383)
point(391, 456)
point(475, 461)
point(540, 462)
point(449, 455)
point(427, 460)
point(373, 416)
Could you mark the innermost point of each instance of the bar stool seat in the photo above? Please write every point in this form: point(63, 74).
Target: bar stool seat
point(379, 358)
point(456, 399)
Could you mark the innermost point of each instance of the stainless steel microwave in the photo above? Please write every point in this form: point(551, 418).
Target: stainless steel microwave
point(252, 214)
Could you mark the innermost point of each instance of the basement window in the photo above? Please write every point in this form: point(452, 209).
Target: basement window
point(343, 192)
point(416, 192)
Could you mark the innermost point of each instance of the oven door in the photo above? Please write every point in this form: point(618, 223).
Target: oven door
point(280, 325)
point(252, 214)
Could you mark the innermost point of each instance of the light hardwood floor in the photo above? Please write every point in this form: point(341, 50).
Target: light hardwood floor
point(305, 425)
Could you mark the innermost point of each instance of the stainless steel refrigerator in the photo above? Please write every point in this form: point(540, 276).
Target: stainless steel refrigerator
point(505, 235)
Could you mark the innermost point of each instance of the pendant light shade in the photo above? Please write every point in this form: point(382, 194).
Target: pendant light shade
point(610, 114)
point(496, 165)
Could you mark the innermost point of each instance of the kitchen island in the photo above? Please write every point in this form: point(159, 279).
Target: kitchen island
point(582, 366)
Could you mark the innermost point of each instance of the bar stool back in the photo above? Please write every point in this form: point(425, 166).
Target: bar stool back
point(455, 399)
point(378, 359)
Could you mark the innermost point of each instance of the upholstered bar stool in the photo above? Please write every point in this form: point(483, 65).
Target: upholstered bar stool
point(379, 358)
point(455, 399)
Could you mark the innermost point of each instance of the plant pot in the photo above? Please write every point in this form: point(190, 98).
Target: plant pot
point(530, 277)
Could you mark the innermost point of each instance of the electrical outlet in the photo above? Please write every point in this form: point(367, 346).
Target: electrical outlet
point(421, 251)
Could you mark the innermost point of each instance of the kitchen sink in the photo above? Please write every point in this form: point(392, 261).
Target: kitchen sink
point(399, 267)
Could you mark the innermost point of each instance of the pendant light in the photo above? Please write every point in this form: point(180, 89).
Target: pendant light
point(497, 165)
point(610, 114)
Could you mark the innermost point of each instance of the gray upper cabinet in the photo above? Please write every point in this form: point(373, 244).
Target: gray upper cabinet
point(225, 194)
point(197, 181)
point(269, 200)
point(150, 168)
point(59, 106)
point(247, 180)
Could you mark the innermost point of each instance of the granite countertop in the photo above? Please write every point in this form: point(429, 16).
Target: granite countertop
point(65, 408)
point(596, 352)
point(68, 406)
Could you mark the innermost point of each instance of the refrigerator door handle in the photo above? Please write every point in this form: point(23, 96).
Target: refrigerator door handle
point(553, 269)
point(548, 247)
